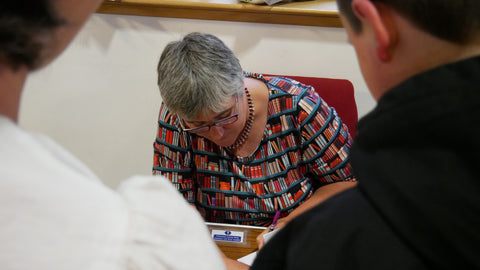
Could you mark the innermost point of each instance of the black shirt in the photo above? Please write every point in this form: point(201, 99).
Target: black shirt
point(417, 204)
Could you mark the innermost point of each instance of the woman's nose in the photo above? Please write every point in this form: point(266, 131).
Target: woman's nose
point(216, 132)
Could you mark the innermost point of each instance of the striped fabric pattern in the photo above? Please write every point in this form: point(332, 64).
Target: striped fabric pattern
point(304, 146)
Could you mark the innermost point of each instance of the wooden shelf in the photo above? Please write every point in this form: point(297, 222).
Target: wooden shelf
point(310, 13)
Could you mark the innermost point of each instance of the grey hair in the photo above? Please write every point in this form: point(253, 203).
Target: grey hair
point(198, 74)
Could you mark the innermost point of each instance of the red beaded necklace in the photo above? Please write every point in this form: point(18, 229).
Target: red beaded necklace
point(248, 125)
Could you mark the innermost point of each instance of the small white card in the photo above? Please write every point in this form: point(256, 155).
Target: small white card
point(228, 236)
point(269, 235)
point(248, 259)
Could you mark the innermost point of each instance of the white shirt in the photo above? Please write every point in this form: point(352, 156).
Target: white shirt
point(56, 214)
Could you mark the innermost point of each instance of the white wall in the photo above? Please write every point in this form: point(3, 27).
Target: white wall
point(100, 101)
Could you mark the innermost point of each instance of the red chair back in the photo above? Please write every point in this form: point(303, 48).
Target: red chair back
point(338, 93)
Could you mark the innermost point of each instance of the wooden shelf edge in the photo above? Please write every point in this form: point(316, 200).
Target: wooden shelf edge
point(223, 12)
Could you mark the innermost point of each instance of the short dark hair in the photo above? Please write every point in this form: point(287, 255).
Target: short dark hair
point(456, 21)
point(22, 24)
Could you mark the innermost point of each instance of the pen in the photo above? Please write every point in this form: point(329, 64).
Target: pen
point(214, 211)
point(274, 222)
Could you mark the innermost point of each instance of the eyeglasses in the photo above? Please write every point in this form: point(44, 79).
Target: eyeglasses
point(219, 123)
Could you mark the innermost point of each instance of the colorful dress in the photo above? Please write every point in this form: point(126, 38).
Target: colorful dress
point(305, 145)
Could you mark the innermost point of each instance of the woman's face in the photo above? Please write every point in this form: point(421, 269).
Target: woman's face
point(223, 127)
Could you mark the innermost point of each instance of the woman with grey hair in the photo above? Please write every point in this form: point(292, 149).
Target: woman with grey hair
point(240, 146)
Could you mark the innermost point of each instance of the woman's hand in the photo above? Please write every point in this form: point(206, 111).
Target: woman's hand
point(281, 222)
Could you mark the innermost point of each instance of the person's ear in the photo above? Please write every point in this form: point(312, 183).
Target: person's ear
point(377, 17)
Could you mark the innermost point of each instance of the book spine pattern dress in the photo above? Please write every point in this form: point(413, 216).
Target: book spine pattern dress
point(305, 145)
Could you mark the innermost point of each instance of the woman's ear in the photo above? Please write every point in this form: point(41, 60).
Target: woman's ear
point(377, 17)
